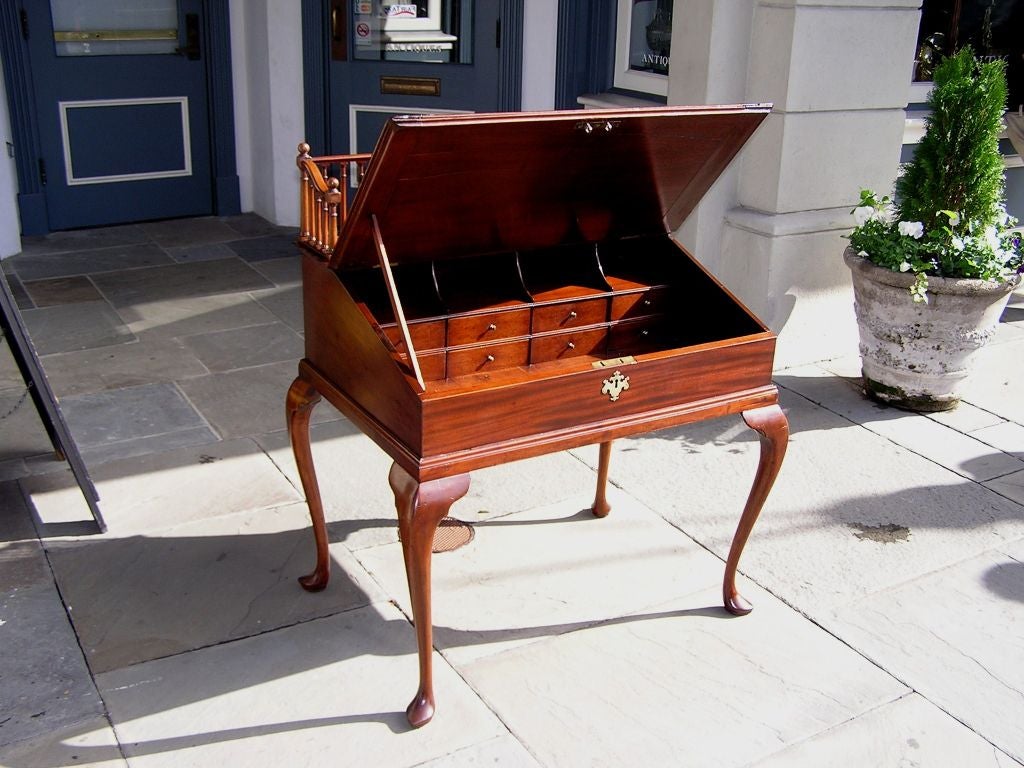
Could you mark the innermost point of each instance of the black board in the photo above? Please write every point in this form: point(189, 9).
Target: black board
point(27, 360)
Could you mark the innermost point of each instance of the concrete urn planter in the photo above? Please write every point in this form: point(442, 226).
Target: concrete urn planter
point(917, 356)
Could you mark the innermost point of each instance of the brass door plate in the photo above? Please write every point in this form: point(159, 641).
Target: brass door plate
point(410, 86)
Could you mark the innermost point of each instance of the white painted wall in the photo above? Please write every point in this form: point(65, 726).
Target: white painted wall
point(266, 58)
point(10, 227)
point(540, 38)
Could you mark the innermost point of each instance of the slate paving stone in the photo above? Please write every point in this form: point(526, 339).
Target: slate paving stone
point(532, 575)
point(231, 576)
point(283, 272)
point(46, 684)
point(83, 239)
point(21, 432)
point(206, 252)
point(285, 304)
point(504, 751)
point(41, 266)
point(146, 361)
point(21, 298)
point(11, 380)
point(181, 232)
point(91, 744)
point(907, 732)
point(954, 636)
point(143, 495)
point(69, 327)
point(841, 487)
point(252, 225)
point(268, 247)
point(179, 281)
point(94, 455)
point(329, 692)
point(112, 416)
point(246, 347)
point(174, 318)
point(1010, 486)
point(685, 685)
point(62, 290)
point(248, 402)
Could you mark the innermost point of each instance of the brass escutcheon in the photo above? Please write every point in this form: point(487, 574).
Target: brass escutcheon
point(615, 385)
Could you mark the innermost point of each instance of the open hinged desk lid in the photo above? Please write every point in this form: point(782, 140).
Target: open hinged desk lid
point(461, 185)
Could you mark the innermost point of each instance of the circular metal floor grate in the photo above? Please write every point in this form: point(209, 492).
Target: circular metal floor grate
point(452, 534)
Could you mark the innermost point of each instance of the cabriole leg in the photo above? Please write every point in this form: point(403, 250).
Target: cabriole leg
point(601, 508)
point(301, 400)
point(420, 508)
point(773, 429)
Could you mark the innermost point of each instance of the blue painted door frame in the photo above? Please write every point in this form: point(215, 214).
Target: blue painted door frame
point(35, 84)
point(329, 88)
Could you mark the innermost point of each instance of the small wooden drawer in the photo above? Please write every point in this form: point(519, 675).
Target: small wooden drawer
point(432, 364)
point(559, 346)
point(490, 326)
point(634, 336)
point(569, 314)
point(426, 334)
point(640, 303)
point(487, 357)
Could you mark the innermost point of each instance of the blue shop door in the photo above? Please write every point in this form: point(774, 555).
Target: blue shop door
point(431, 56)
point(121, 96)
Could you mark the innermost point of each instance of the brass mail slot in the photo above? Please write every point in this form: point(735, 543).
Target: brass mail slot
point(92, 35)
point(411, 86)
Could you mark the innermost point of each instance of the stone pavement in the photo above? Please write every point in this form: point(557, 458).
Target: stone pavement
point(887, 570)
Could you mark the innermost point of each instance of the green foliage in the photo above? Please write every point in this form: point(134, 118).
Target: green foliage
point(950, 220)
point(957, 165)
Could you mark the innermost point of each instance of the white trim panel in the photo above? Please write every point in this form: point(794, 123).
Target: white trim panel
point(72, 180)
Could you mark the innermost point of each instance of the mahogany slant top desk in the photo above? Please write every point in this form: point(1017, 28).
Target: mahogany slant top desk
point(505, 286)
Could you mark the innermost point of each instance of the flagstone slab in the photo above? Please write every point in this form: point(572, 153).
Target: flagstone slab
point(38, 266)
point(91, 744)
point(283, 272)
point(1010, 486)
point(504, 751)
point(995, 381)
point(146, 361)
point(326, 692)
point(246, 347)
point(358, 502)
point(44, 682)
point(546, 571)
point(83, 239)
point(178, 281)
point(907, 732)
point(193, 231)
point(142, 495)
point(851, 512)
point(286, 304)
point(136, 598)
point(189, 316)
point(250, 401)
point(964, 454)
point(954, 636)
point(68, 327)
point(62, 290)
point(110, 416)
point(21, 432)
point(686, 685)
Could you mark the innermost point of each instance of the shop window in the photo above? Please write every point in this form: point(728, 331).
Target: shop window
point(643, 39)
point(992, 28)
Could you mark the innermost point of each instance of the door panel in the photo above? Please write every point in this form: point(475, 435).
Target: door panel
point(120, 90)
point(430, 56)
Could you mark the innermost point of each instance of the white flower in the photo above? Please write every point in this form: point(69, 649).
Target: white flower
point(958, 243)
point(992, 238)
point(863, 214)
point(888, 214)
point(905, 266)
point(1003, 217)
point(862, 254)
point(954, 219)
point(914, 229)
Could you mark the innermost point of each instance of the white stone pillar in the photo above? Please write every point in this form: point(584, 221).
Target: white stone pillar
point(838, 73)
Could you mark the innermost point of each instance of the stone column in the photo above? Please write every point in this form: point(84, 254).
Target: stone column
point(838, 73)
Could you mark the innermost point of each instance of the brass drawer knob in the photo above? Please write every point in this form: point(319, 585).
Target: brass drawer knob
point(572, 315)
point(647, 302)
point(490, 358)
point(492, 327)
point(645, 332)
point(570, 345)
